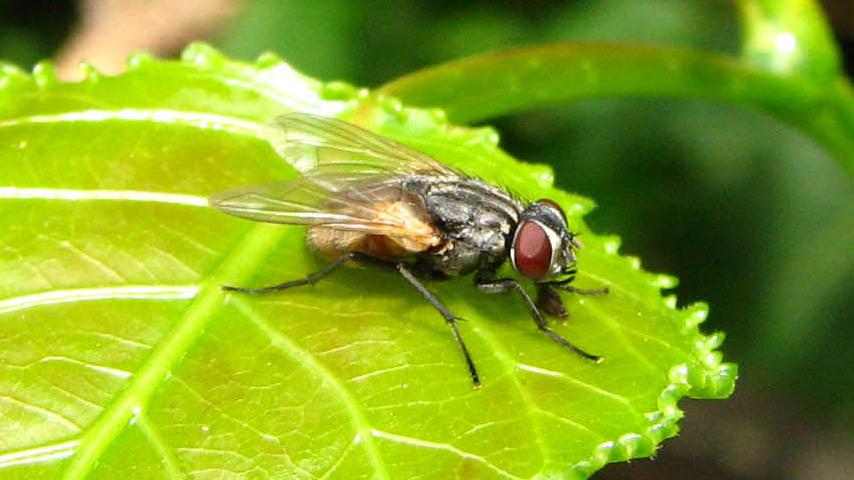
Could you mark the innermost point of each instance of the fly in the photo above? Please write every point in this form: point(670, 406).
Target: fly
point(370, 200)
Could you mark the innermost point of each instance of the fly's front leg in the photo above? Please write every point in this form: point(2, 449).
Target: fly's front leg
point(549, 301)
point(449, 317)
point(582, 291)
point(505, 285)
point(309, 280)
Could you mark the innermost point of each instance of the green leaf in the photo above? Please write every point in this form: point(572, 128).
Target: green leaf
point(120, 355)
point(487, 85)
point(789, 36)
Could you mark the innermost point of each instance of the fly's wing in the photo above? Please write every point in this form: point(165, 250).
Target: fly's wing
point(316, 145)
point(352, 180)
point(381, 209)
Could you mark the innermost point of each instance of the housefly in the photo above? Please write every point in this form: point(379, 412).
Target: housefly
point(368, 199)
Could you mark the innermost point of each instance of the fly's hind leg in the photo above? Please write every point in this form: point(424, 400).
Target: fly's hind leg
point(449, 317)
point(404, 271)
point(487, 284)
point(309, 280)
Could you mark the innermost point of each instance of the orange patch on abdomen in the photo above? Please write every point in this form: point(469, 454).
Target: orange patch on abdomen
point(397, 230)
point(332, 243)
point(384, 248)
point(400, 231)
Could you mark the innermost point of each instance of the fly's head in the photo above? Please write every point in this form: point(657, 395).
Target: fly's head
point(543, 248)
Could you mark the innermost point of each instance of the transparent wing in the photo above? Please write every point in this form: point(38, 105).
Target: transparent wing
point(381, 209)
point(352, 180)
point(316, 145)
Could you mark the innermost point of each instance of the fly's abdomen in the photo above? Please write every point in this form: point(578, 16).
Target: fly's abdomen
point(413, 233)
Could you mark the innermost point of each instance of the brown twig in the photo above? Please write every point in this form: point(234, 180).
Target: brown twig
point(110, 30)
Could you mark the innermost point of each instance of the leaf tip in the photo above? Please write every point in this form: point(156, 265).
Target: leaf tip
point(338, 91)
point(202, 54)
point(139, 60)
point(11, 75)
point(611, 244)
point(694, 315)
point(665, 281)
point(44, 74)
point(635, 263)
point(11, 70)
point(671, 302)
point(712, 379)
point(636, 445)
point(268, 60)
point(90, 73)
point(707, 376)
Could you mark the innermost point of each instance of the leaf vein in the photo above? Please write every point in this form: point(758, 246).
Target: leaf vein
point(42, 411)
point(113, 372)
point(202, 120)
point(147, 292)
point(253, 247)
point(87, 258)
point(505, 358)
point(592, 388)
point(291, 348)
point(16, 193)
point(332, 468)
point(44, 453)
point(615, 327)
point(417, 442)
point(160, 445)
point(214, 408)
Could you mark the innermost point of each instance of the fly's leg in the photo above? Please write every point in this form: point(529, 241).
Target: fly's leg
point(449, 317)
point(581, 291)
point(549, 301)
point(565, 285)
point(505, 285)
point(309, 280)
point(404, 271)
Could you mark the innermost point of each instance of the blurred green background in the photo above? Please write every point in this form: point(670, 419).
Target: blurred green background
point(751, 216)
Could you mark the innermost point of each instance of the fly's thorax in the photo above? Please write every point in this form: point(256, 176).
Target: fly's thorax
point(475, 219)
point(469, 208)
point(464, 200)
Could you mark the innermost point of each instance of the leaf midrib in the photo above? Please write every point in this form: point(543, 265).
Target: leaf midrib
point(254, 248)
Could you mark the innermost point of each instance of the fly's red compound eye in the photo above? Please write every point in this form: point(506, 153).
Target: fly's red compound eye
point(532, 251)
point(552, 203)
